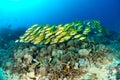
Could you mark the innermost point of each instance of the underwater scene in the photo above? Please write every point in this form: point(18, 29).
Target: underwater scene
point(59, 39)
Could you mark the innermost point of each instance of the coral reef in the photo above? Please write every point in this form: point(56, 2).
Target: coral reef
point(75, 60)
point(61, 33)
point(65, 56)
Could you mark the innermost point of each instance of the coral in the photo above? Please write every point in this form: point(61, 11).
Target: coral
point(74, 60)
point(6, 75)
point(61, 33)
point(83, 52)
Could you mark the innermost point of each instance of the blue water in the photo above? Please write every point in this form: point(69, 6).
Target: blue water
point(24, 13)
point(17, 15)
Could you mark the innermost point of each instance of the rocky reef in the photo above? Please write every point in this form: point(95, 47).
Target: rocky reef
point(94, 58)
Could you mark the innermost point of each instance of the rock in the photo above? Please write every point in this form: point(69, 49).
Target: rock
point(28, 58)
point(49, 49)
point(26, 50)
point(62, 46)
point(54, 52)
point(84, 45)
point(61, 52)
point(33, 48)
point(43, 52)
point(9, 64)
point(70, 43)
point(65, 79)
point(71, 48)
point(31, 74)
point(102, 47)
point(18, 54)
point(43, 71)
point(83, 52)
point(57, 53)
point(50, 75)
point(46, 78)
point(18, 61)
point(66, 57)
point(77, 43)
point(76, 65)
point(54, 46)
point(81, 62)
